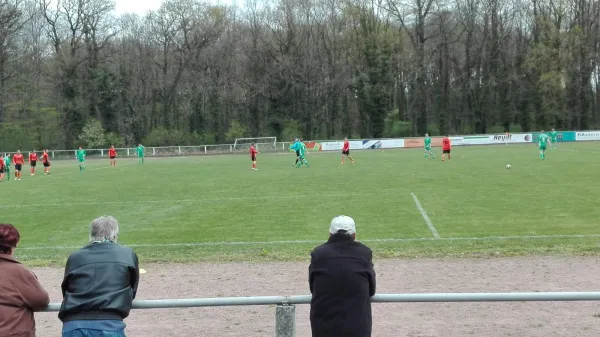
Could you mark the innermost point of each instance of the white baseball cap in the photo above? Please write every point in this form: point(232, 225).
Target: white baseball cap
point(342, 222)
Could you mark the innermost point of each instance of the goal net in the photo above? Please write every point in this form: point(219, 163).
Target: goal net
point(265, 144)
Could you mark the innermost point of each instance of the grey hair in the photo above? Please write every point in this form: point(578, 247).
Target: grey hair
point(104, 228)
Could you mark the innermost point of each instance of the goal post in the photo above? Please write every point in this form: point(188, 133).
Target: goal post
point(261, 143)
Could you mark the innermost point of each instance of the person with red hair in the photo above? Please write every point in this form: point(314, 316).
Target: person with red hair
point(20, 291)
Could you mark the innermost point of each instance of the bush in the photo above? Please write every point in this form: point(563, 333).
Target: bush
point(112, 138)
point(394, 127)
point(496, 129)
point(236, 130)
point(14, 137)
point(291, 130)
point(164, 137)
point(92, 135)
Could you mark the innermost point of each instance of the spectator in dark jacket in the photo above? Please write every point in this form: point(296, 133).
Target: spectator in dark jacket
point(99, 285)
point(342, 281)
point(20, 292)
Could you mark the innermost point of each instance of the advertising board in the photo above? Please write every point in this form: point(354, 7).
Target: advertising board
point(586, 135)
point(365, 144)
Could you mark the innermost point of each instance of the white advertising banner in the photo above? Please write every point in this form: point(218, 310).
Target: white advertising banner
point(516, 138)
point(587, 135)
point(364, 144)
point(456, 141)
point(492, 139)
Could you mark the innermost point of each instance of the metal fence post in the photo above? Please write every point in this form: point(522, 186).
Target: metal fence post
point(285, 321)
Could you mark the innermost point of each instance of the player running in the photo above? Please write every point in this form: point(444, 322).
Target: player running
point(542, 141)
point(80, 155)
point(554, 138)
point(112, 154)
point(428, 147)
point(33, 158)
point(253, 154)
point(7, 166)
point(46, 161)
point(446, 147)
point(346, 151)
point(140, 153)
point(18, 160)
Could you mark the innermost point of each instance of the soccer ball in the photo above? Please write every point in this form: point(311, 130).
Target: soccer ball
point(508, 167)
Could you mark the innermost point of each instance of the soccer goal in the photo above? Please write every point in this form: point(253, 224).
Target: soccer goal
point(261, 143)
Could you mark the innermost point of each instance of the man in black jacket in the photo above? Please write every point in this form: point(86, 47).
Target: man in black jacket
point(99, 285)
point(342, 281)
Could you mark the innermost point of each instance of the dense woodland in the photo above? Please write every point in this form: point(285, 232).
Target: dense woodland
point(72, 73)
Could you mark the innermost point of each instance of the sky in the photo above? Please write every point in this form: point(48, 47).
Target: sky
point(143, 6)
point(136, 6)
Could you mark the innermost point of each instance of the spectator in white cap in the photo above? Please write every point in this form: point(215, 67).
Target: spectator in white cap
point(342, 281)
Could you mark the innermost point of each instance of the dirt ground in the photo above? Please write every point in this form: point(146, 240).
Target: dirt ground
point(389, 320)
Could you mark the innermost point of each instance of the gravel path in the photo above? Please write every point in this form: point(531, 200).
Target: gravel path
point(543, 319)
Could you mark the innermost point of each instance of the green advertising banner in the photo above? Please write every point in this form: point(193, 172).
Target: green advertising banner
point(563, 136)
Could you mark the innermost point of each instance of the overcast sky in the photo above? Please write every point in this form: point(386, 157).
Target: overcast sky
point(142, 6)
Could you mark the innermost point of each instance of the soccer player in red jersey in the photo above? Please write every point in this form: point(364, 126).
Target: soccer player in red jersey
point(18, 160)
point(253, 154)
point(33, 158)
point(112, 154)
point(46, 162)
point(2, 169)
point(446, 147)
point(346, 151)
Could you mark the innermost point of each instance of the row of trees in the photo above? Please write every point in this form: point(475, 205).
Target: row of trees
point(191, 72)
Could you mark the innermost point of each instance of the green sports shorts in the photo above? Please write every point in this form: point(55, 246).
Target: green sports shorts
point(542, 148)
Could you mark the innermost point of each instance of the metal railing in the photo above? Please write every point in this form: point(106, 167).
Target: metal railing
point(167, 151)
point(285, 312)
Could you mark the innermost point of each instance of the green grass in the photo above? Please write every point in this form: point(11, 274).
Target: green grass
point(218, 199)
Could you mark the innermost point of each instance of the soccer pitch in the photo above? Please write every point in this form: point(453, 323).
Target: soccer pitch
point(215, 208)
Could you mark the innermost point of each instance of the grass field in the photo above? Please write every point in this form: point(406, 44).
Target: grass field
point(215, 209)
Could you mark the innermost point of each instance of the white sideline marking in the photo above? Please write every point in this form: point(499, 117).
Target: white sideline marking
point(424, 214)
point(250, 243)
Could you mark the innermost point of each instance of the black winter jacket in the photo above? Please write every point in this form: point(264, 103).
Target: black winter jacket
point(342, 281)
point(100, 283)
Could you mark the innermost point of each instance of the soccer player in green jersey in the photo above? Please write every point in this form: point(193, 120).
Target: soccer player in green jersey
point(554, 138)
point(140, 153)
point(80, 154)
point(542, 141)
point(7, 165)
point(428, 147)
point(302, 152)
